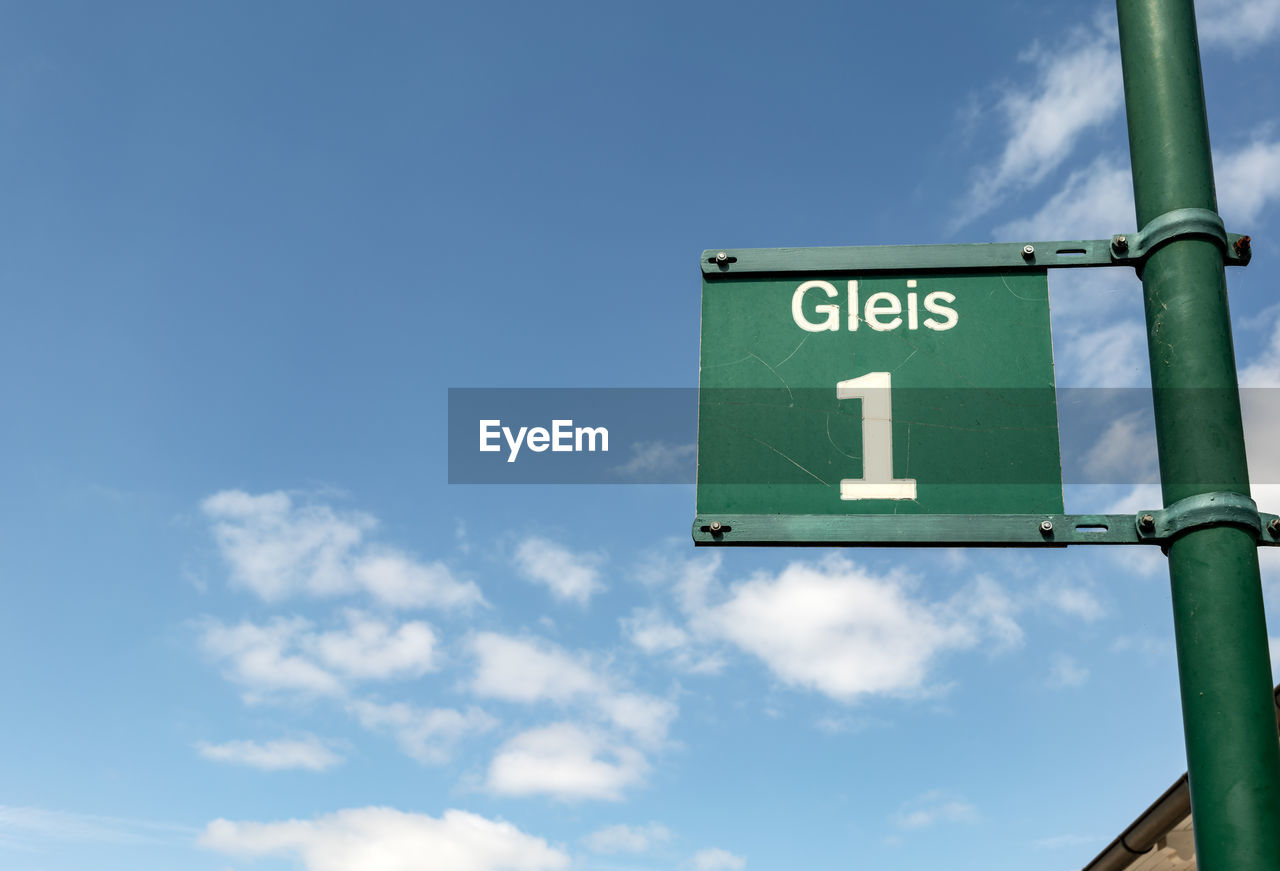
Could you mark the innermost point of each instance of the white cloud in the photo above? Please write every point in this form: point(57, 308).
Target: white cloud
point(848, 725)
point(287, 655)
point(660, 462)
point(568, 575)
point(645, 717)
point(1260, 410)
point(1097, 202)
point(1237, 25)
point(1247, 180)
point(985, 604)
point(626, 839)
point(1074, 90)
point(716, 859)
point(837, 628)
point(371, 648)
point(1140, 497)
point(1072, 600)
point(1110, 355)
point(1065, 671)
point(1264, 371)
point(935, 807)
point(1094, 203)
point(309, 754)
point(1125, 453)
point(532, 670)
point(261, 658)
point(1102, 338)
point(1152, 648)
point(649, 630)
point(277, 549)
point(695, 580)
point(527, 670)
point(385, 839)
point(566, 761)
point(427, 735)
point(395, 579)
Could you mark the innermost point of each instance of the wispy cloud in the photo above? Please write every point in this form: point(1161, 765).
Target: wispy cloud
point(594, 758)
point(1155, 649)
point(289, 655)
point(660, 462)
point(428, 735)
point(530, 671)
point(569, 575)
point(627, 839)
point(1071, 599)
point(716, 859)
point(1093, 203)
point(277, 549)
point(1111, 354)
point(657, 635)
point(932, 808)
point(389, 840)
point(264, 659)
point(371, 648)
point(28, 827)
point(308, 753)
point(1096, 202)
point(1248, 180)
point(1065, 671)
point(1125, 452)
point(1239, 26)
point(1074, 90)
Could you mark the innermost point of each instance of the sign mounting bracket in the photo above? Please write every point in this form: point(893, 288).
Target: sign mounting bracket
point(1121, 250)
point(961, 530)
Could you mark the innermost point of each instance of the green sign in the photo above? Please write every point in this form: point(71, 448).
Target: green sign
point(842, 383)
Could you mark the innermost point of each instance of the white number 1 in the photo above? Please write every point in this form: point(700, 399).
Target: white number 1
point(877, 481)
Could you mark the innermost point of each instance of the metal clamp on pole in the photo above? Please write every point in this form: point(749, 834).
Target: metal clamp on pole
point(1135, 248)
point(1205, 509)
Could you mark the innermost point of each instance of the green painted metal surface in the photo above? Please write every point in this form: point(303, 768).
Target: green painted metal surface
point(860, 392)
point(1233, 758)
point(1152, 527)
point(1124, 249)
point(1002, 256)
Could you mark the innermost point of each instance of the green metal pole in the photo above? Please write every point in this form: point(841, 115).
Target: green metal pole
point(1233, 756)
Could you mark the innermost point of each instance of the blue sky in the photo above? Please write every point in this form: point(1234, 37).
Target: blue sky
point(249, 625)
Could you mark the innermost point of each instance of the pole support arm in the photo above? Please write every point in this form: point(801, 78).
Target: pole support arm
point(1205, 509)
point(1135, 248)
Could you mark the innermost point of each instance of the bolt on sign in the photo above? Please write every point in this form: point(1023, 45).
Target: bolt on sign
point(898, 380)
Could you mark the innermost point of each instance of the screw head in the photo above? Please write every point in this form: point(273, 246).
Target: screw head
point(1274, 526)
point(1147, 522)
point(722, 257)
point(1028, 250)
point(715, 526)
point(1120, 243)
point(1046, 526)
